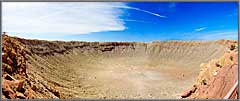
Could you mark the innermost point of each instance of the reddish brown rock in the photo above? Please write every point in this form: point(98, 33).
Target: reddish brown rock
point(234, 57)
point(189, 92)
point(7, 91)
point(193, 89)
point(15, 81)
point(20, 95)
point(234, 94)
point(9, 61)
point(28, 93)
point(186, 94)
point(13, 68)
point(219, 81)
point(3, 97)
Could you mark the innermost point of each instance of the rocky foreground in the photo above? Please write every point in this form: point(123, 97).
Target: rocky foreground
point(218, 77)
point(16, 83)
point(41, 69)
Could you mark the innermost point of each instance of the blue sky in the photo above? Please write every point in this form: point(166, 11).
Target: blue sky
point(121, 21)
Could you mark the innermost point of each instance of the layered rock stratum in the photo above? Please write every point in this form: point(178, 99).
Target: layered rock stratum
point(110, 70)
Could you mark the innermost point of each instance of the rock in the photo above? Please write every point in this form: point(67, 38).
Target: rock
point(193, 89)
point(11, 95)
point(3, 97)
point(219, 85)
point(235, 58)
point(55, 92)
point(6, 68)
point(12, 54)
point(19, 85)
point(186, 94)
point(234, 94)
point(189, 92)
point(7, 91)
point(28, 93)
point(9, 61)
point(14, 63)
point(34, 87)
point(215, 73)
point(20, 95)
point(4, 57)
point(9, 77)
point(218, 81)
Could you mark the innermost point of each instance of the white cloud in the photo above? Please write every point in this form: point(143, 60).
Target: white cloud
point(200, 29)
point(61, 18)
point(212, 35)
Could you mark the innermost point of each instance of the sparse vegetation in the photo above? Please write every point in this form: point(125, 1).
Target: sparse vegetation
point(231, 58)
point(218, 65)
point(204, 82)
point(232, 47)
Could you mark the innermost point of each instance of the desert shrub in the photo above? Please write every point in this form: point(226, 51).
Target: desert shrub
point(232, 47)
point(231, 58)
point(204, 82)
point(218, 65)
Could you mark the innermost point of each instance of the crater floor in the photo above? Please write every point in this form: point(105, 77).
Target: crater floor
point(116, 70)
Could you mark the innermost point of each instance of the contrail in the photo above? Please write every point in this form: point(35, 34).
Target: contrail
point(200, 29)
point(123, 7)
point(140, 21)
point(141, 10)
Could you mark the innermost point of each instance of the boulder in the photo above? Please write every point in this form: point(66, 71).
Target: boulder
point(20, 95)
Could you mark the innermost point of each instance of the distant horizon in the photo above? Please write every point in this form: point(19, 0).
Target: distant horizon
point(123, 41)
point(121, 21)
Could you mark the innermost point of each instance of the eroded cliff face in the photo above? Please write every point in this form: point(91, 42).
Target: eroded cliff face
point(16, 83)
point(110, 70)
point(217, 78)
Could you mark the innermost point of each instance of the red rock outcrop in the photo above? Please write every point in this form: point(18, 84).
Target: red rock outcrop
point(16, 84)
point(218, 77)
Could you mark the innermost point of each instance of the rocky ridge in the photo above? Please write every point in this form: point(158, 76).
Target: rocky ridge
point(16, 83)
point(217, 77)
